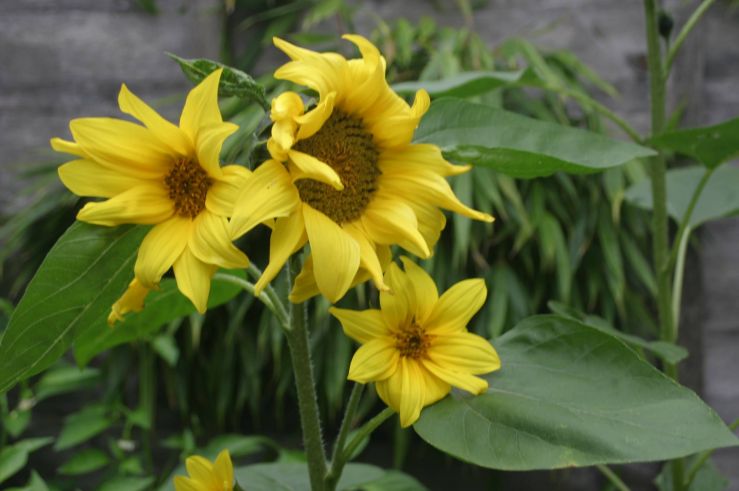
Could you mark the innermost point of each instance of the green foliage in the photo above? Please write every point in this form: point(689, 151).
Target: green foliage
point(570, 395)
point(14, 457)
point(516, 145)
point(710, 145)
point(293, 476)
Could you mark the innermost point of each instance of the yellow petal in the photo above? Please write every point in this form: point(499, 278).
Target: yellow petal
point(393, 222)
point(146, 204)
point(184, 484)
point(457, 305)
point(397, 305)
point(201, 470)
point(309, 167)
point(462, 380)
point(210, 141)
point(201, 106)
point(193, 278)
point(283, 138)
point(375, 360)
point(224, 469)
point(313, 120)
point(132, 300)
point(436, 389)
point(369, 51)
point(465, 352)
point(322, 72)
point(421, 157)
point(423, 286)
point(211, 242)
point(160, 249)
point(368, 259)
point(397, 130)
point(65, 146)
point(87, 178)
point(414, 392)
point(268, 193)
point(361, 325)
point(165, 131)
point(223, 192)
point(288, 235)
point(122, 146)
point(287, 105)
point(305, 286)
point(335, 254)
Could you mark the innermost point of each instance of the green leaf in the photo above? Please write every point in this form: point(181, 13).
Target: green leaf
point(233, 82)
point(517, 145)
point(162, 306)
point(127, 484)
point(710, 145)
point(294, 476)
point(65, 379)
point(708, 477)
point(569, 395)
point(465, 84)
point(14, 457)
point(88, 460)
point(35, 483)
point(719, 199)
point(81, 426)
point(394, 481)
point(81, 277)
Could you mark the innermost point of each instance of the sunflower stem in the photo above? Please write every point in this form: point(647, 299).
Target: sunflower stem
point(278, 309)
point(310, 422)
point(338, 459)
point(256, 273)
point(366, 431)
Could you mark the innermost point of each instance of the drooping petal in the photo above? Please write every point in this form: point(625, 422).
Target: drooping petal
point(166, 132)
point(201, 106)
point(160, 249)
point(367, 255)
point(393, 222)
point(145, 204)
point(122, 146)
point(193, 278)
point(209, 143)
point(457, 305)
point(268, 193)
point(87, 178)
point(211, 242)
point(69, 147)
point(132, 300)
point(288, 235)
point(223, 192)
point(335, 254)
point(361, 325)
point(309, 167)
point(305, 286)
point(312, 121)
point(398, 304)
point(464, 351)
point(375, 360)
point(460, 379)
point(424, 287)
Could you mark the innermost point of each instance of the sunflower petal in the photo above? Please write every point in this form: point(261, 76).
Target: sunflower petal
point(224, 469)
point(223, 192)
point(414, 392)
point(201, 470)
point(144, 204)
point(463, 380)
point(193, 278)
point(201, 106)
point(335, 254)
point(361, 325)
point(368, 259)
point(288, 235)
point(421, 157)
point(313, 120)
point(373, 361)
point(182, 483)
point(209, 143)
point(211, 243)
point(160, 249)
point(436, 389)
point(465, 352)
point(88, 178)
point(309, 167)
point(424, 288)
point(69, 147)
point(457, 305)
point(397, 305)
point(393, 222)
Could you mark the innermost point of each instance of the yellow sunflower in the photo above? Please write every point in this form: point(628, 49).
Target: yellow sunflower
point(416, 346)
point(169, 176)
point(363, 185)
point(206, 475)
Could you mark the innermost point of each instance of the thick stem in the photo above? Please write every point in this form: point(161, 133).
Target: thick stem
point(298, 342)
point(338, 459)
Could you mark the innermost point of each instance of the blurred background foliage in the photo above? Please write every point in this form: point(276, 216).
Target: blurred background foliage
point(138, 408)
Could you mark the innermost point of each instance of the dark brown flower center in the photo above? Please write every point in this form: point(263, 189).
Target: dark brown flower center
point(412, 341)
point(345, 144)
point(188, 185)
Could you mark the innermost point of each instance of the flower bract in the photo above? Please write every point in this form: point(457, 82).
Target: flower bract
point(205, 475)
point(363, 186)
point(416, 346)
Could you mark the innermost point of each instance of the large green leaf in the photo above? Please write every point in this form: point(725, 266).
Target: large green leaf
point(80, 278)
point(293, 476)
point(162, 306)
point(517, 145)
point(14, 457)
point(82, 426)
point(570, 395)
point(710, 145)
point(465, 84)
point(719, 199)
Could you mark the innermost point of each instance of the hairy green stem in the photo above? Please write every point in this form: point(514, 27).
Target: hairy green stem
point(366, 431)
point(256, 273)
point(613, 478)
point(680, 39)
point(275, 305)
point(338, 459)
point(310, 421)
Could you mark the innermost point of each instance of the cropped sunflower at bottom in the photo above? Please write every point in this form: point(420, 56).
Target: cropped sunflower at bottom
point(416, 346)
point(363, 185)
point(170, 177)
point(205, 475)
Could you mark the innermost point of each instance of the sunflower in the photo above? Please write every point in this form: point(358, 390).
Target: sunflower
point(416, 346)
point(205, 475)
point(363, 185)
point(170, 177)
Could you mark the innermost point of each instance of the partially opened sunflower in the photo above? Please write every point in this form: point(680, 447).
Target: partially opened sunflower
point(363, 185)
point(170, 177)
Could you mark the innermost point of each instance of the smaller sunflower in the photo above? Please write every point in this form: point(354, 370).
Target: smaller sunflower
point(205, 475)
point(416, 346)
point(170, 177)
